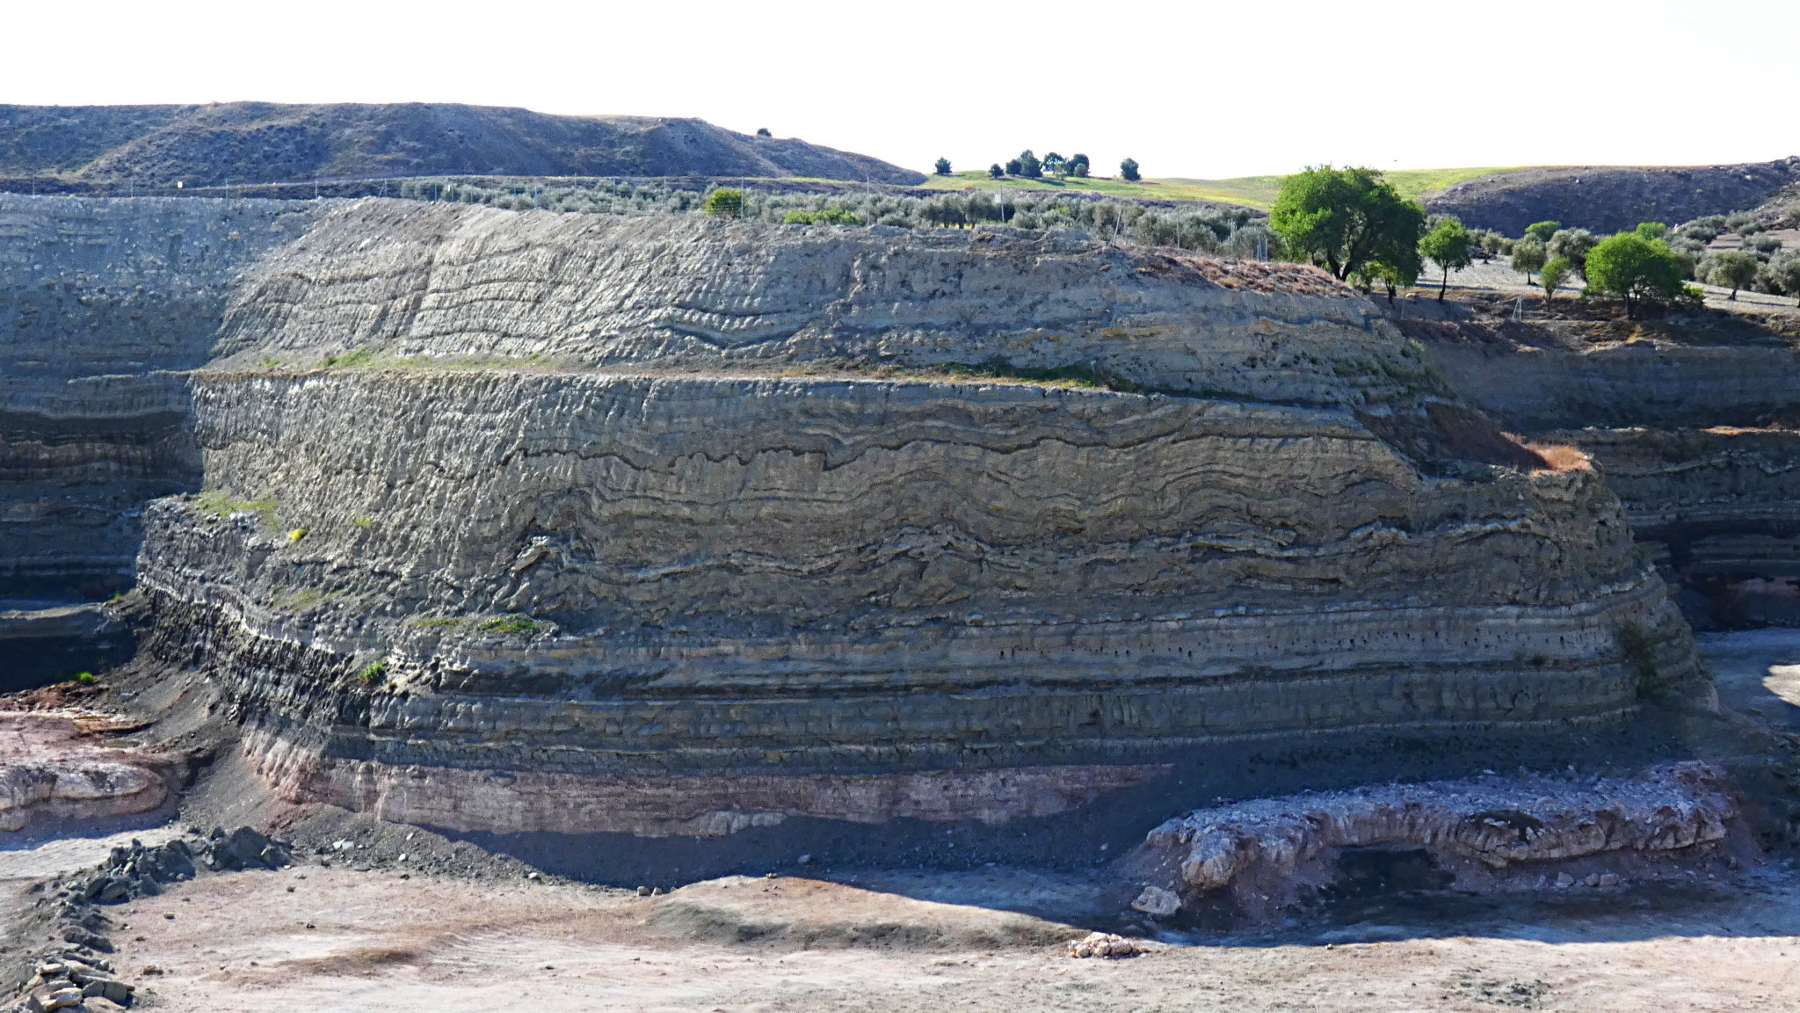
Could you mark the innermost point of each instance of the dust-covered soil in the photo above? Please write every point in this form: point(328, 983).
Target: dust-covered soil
point(379, 916)
point(345, 940)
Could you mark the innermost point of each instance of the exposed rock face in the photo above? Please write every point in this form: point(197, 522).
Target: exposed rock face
point(49, 772)
point(1692, 426)
point(670, 526)
point(1493, 833)
point(100, 301)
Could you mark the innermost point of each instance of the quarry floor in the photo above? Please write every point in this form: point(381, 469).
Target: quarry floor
point(345, 940)
point(356, 935)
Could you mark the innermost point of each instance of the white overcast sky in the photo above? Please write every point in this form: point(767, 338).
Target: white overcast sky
point(1188, 89)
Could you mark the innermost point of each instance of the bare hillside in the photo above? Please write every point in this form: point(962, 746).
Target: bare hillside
point(259, 142)
point(1607, 199)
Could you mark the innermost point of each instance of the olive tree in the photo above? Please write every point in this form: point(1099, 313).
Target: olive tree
point(1732, 269)
point(1573, 245)
point(1542, 231)
point(1555, 271)
point(1449, 246)
point(1129, 170)
point(995, 172)
point(1783, 273)
point(1528, 257)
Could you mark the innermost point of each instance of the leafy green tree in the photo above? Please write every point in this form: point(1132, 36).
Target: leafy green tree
point(1014, 167)
point(1078, 165)
point(763, 132)
point(1029, 166)
point(1528, 257)
point(1555, 271)
point(725, 203)
point(1542, 231)
point(943, 167)
point(1129, 170)
point(1342, 219)
point(1055, 165)
point(1573, 245)
point(995, 172)
point(1634, 269)
point(1732, 269)
point(1652, 230)
point(1449, 246)
point(1392, 276)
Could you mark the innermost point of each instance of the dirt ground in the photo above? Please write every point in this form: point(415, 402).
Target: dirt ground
point(345, 940)
point(378, 929)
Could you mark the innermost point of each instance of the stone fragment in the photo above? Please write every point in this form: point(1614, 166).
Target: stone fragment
point(1157, 902)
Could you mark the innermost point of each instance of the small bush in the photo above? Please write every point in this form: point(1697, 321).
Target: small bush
point(510, 625)
point(942, 167)
point(85, 679)
point(725, 203)
point(295, 535)
point(374, 672)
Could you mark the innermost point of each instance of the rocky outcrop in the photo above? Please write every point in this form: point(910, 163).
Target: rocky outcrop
point(102, 302)
point(51, 772)
point(1690, 421)
point(1488, 834)
point(663, 525)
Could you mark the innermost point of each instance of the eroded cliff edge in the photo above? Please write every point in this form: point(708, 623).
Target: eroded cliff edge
point(526, 522)
point(1690, 418)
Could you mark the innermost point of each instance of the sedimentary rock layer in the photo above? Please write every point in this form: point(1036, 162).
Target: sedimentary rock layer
point(1693, 430)
point(100, 300)
point(672, 526)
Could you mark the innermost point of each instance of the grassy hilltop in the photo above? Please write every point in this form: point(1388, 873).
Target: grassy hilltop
point(1249, 191)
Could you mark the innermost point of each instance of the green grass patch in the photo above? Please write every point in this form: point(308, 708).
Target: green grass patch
point(374, 673)
point(1062, 377)
point(221, 505)
point(514, 624)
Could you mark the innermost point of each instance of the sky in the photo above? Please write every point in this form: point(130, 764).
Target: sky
point(1192, 89)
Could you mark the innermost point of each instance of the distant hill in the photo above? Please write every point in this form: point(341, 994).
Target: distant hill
point(1601, 198)
point(1246, 191)
point(259, 142)
point(1612, 198)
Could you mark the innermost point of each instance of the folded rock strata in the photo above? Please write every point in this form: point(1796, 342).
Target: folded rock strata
point(664, 525)
point(1693, 430)
point(1485, 834)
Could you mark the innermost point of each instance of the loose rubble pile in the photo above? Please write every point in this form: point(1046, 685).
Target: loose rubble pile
point(72, 974)
point(1488, 833)
point(1107, 945)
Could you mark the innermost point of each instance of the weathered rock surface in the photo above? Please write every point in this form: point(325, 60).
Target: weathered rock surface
point(1485, 834)
point(100, 302)
point(1690, 422)
point(50, 771)
point(672, 526)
